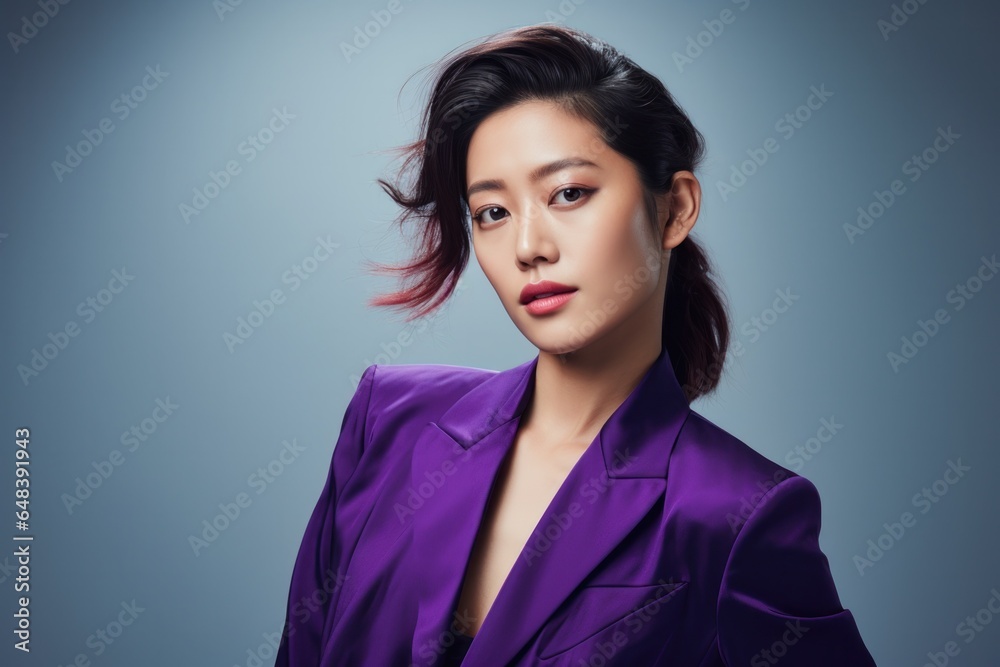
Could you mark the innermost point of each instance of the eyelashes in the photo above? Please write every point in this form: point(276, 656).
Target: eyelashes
point(585, 193)
point(478, 217)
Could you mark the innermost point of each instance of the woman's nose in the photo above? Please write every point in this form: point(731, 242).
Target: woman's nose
point(534, 238)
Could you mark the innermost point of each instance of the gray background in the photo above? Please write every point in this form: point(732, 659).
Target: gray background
point(162, 336)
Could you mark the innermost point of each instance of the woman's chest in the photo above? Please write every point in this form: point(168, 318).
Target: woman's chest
point(524, 488)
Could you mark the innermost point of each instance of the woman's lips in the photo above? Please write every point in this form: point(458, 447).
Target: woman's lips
point(547, 304)
point(531, 290)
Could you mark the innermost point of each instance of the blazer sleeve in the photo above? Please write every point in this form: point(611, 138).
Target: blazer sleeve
point(316, 574)
point(778, 600)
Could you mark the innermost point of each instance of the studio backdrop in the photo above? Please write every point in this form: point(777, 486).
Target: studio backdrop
point(189, 203)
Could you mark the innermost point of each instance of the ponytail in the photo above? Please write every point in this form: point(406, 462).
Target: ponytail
point(695, 320)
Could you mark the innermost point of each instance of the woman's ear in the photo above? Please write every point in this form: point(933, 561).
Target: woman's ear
point(679, 208)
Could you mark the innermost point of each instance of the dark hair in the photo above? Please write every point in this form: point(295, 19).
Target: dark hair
point(637, 117)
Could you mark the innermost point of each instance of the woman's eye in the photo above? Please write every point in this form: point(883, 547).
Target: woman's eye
point(488, 212)
point(577, 194)
point(497, 213)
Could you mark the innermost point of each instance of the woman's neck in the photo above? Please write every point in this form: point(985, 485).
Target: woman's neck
point(574, 395)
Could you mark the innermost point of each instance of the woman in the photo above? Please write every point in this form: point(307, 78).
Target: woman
point(572, 510)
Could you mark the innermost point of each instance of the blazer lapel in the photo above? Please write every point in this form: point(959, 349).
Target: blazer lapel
point(611, 488)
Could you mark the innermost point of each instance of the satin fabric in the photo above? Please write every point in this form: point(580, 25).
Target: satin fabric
point(670, 542)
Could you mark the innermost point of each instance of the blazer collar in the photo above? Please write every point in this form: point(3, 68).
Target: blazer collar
point(648, 420)
point(455, 466)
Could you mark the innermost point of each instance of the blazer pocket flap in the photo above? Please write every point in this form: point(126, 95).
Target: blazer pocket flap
point(595, 608)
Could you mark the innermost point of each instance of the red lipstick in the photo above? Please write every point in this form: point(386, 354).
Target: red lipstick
point(545, 296)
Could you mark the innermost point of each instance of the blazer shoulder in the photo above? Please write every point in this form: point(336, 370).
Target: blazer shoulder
point(727, 477)
point(731, 456)
point(420, 392)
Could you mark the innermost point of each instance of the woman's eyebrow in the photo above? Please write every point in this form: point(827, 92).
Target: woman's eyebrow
point(536, 174)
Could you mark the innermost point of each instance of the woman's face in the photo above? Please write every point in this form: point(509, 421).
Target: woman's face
point(579, 223)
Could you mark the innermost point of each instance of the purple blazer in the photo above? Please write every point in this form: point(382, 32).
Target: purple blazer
point(671, 542)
